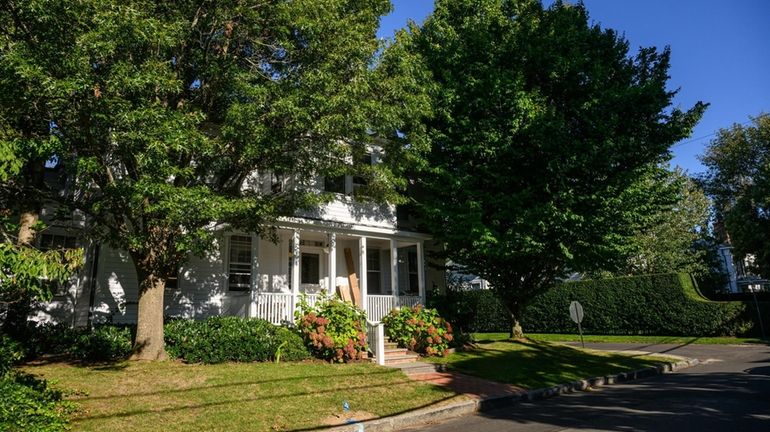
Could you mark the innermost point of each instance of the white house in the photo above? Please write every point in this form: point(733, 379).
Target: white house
point(323, 250)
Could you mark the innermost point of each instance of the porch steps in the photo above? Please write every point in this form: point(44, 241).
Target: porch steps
point(395, 356)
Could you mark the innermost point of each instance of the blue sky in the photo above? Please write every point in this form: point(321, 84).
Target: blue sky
point(720, 54)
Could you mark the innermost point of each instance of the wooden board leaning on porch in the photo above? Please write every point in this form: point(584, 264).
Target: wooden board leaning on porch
point(352, 281)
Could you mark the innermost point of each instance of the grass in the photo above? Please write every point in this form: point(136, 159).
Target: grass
point(536, 364)
point(679, 340)
point(171, 396)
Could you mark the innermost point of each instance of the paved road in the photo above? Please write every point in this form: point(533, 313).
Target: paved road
point(729, 392)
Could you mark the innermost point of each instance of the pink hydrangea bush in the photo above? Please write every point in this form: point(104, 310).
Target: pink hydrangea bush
point(333, 330)
point(419, 329)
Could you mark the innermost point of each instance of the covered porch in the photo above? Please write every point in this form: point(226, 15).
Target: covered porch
point(376, 272)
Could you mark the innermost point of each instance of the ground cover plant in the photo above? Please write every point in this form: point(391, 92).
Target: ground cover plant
point(536, 364)
point(174, 396)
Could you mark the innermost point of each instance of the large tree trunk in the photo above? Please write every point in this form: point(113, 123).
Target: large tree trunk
point(516, 331)
point(149, 344)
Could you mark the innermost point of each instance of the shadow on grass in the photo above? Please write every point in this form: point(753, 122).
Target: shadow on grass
point(533, 364)
point(236, 400)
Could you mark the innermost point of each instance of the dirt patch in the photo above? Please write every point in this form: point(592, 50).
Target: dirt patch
point(347, 417)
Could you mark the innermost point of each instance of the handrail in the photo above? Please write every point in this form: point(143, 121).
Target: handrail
point(375, 335)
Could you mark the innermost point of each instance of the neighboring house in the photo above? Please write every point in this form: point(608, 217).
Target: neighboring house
point(248, 276)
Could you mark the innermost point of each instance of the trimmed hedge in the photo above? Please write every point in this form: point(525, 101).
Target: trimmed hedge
point(478, 311)
point(221, 339)
point(665, 304)
point(104, 343)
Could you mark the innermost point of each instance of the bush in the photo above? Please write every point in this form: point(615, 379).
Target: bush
point(666, 304)
point(333, 330)
point(28, 404)
point(105, 343)
point(472, 311)
point(419, 329)
point(221, 339)
point(50, 338)
point(10, 353)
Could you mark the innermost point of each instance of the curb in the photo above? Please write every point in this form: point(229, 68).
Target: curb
point(458, 409)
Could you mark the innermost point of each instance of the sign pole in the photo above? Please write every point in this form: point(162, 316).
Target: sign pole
point(580, 329)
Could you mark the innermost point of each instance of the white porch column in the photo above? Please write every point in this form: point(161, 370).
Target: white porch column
point(254, 276)
point(420, 271)
point(362, 277)
point(295, 255)
point(332, 264)
point(394, 270)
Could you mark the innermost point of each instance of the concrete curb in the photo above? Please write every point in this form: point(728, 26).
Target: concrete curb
point(458, 409)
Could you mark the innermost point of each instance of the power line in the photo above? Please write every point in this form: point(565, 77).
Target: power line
point(705, 136)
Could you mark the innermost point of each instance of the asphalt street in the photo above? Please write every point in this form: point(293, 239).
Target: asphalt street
point(729, 391)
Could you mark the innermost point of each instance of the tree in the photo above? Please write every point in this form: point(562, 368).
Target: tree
point(675, 237)
point(543, 125)
point(738, 179)
point(169, 113)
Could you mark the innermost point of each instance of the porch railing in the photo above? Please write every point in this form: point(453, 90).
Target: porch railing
point(274, 307)
point(378, 306)
point(375, 338)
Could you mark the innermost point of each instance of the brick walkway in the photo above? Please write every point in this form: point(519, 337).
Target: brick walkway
point(477, 388)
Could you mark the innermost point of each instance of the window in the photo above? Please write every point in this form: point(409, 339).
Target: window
point(172, 282)
point(335, 184)
point(373, 271)
point(412, 268)
point(57, 241)
point(276, 182)
point(309, 268)
point(359, 181)
point(239, 271)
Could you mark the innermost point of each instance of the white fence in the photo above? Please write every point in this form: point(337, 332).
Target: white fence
point(277, 307)
point(274, 307)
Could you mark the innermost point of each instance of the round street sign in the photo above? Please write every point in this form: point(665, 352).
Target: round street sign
point(576, 312)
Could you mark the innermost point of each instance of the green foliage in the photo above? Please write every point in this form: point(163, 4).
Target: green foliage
point(544, 123)
point(164, 111)
point(29, 404)
point(664, 304)
point(10, 353)
point(672, 239)
point(222, 339)
point(105, 343)
point(48, 338)
point(333, 330)
point(738, 179)
point(419, 329)
point(28, 272)
point(477, 311)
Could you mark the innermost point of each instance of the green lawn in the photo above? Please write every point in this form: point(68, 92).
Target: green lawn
point(679, 340)
point(171, 396)
point(537, 364)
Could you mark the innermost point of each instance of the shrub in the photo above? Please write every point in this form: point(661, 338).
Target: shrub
point(10, 353)
point(28, 404)
point(221, 339)
point(105, 343)
point(333, 330)
point(419, 329)
point(50, 338)
point(666, 304)
point(472, 311)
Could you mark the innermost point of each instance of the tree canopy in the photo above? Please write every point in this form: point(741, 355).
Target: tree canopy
point(168, 113)
point(544, 124)
point(738, 179)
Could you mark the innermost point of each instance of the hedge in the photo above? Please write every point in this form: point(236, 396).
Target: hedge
point(221, 339)
point(665, 304)
point(477, 311)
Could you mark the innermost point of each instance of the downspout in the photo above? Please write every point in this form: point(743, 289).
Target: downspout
point(92, 293)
